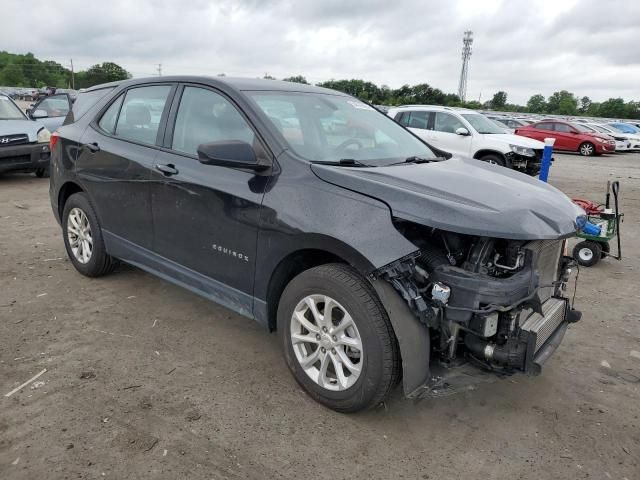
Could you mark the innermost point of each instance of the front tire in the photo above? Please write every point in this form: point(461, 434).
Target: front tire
point(587, 149)
point(349, 361)
point(587, 253)
point(42, 172)
point(83, 237)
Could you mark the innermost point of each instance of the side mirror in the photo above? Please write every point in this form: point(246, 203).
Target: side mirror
point(39, 114)
point(231, 153)
point(462, 131)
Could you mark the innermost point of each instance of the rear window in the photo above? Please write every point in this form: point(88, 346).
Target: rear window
point(84, 103)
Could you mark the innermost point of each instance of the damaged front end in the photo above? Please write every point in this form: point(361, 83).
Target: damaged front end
point(492, 303)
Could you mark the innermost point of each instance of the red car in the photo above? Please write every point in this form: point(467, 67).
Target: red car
point(569, 136)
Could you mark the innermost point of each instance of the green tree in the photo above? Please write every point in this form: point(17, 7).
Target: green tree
point(499, 100)
point(296, 79)
point(613, 107)
point(585, 104)
point(633, 109)
point(537, 104)
point(358, 88)
point(103, 73)
point(562, 103)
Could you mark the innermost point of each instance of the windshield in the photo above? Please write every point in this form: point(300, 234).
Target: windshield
point(328, 128)
point(482, 124)
point(601, 129)
point(9, 110)
point(623, 127)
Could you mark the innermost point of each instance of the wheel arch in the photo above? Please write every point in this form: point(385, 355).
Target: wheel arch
point(487, 151)
point(315, 251)
point(66, 190)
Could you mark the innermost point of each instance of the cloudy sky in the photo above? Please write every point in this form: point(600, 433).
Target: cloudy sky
point(590, 47)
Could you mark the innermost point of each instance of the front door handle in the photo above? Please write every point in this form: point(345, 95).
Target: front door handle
point(93, 147)
point(168, 169)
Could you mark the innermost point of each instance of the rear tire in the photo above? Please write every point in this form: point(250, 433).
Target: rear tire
point(42, 172)
point(587, 149)
point(494, 159)
point(83, 238)
point(587, 253)
point(352, 302)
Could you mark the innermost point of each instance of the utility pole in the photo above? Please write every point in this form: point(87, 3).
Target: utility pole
point(73, 77)
point(159, 69)
point(467, 40)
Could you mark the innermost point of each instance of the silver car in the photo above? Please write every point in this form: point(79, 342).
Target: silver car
point(24, 143)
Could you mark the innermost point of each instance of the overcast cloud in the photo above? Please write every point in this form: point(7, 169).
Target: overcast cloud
point(589, 47)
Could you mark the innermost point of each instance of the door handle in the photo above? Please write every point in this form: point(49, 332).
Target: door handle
point(92, 147)
point(168, 169)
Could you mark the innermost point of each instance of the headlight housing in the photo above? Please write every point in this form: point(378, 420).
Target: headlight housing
point(525, 151)
point(601, 140)
point(44, 135)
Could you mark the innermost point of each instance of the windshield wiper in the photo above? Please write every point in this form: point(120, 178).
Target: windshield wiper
point(343, 162)
point(415, 159)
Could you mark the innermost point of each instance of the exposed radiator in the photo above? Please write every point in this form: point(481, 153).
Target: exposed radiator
point(542, 326)
point(547, 261)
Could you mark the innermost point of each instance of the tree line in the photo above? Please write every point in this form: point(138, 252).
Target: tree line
point(559, 103)
point(27, 71)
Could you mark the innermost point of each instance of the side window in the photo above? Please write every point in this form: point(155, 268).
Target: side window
point(140, 114)
point(418, 120)
point(55, 106)
point(109, 118)
point(562, 127)
point(446, 122)
point(543, 126)
point(205, 116)
point(402, 118)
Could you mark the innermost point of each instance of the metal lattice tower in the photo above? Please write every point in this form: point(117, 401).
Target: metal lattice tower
point(467, 40)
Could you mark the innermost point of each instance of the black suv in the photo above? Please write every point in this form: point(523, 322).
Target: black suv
point(374, 257)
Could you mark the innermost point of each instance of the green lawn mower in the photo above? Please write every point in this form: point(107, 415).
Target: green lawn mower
point(602, 226)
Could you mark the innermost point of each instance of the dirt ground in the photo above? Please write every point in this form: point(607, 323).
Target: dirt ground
point(146, 380)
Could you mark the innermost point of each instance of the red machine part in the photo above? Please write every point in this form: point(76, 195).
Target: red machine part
point(588, 206)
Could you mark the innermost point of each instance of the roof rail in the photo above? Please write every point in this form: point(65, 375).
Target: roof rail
point(425, 105)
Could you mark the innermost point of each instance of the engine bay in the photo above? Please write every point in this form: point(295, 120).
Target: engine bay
point(492, 302)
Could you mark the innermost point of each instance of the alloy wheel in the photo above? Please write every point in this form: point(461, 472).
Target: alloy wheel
point(586, 149)
point(79, 235)
point(326, 342)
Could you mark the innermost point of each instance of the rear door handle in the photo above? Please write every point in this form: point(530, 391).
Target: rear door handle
point(168, 169)
point(93, 147)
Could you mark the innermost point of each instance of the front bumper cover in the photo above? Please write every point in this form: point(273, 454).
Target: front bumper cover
point(24, 157)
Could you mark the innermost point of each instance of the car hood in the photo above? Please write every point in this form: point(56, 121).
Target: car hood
point(13, 127)
point(604, 136)
point(510, 139)
point(464, 196)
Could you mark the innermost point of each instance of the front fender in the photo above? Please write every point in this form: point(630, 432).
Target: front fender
point(413, 338)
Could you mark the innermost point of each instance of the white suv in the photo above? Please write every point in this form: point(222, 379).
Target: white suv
point(470, 134)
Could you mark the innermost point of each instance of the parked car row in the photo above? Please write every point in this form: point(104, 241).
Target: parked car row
point(33, 94)
point(581, 135)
